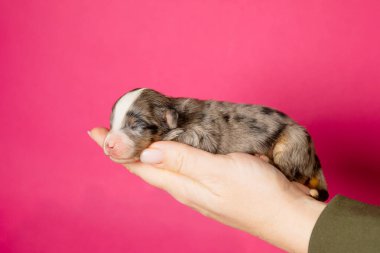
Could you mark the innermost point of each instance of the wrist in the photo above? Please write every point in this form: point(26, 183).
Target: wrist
point(307, 212)
point(298, 219)
point(291, 226)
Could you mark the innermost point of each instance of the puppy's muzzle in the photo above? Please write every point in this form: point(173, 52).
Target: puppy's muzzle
point(118, 146)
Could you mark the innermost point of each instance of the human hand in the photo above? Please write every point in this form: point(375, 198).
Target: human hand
point(239, 190)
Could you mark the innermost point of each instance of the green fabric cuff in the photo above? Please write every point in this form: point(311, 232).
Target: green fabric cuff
point(346, 225)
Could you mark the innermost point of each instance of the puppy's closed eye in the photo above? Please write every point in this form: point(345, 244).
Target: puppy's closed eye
point(139, 125)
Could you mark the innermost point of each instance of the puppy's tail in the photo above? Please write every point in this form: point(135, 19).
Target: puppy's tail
point(318, 186)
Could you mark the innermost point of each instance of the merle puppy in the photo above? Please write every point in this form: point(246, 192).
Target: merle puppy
point(143, 116)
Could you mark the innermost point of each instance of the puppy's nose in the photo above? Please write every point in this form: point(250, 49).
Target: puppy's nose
point(108, 145)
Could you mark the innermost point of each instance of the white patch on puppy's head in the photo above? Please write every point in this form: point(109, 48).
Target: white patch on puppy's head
point(122, 107)
point(117, 145)
point(138, 118)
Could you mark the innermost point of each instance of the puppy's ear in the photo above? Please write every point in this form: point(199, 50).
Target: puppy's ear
point(171, 117)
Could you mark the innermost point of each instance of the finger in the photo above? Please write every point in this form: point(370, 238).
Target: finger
point(183, 159)
point(182, 188)
point(98, 134)
point(263, 157)
point(151, 175)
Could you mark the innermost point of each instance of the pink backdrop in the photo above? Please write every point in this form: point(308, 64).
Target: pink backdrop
point(63, 64)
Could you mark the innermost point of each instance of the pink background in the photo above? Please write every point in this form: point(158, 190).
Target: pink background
point(63, 64)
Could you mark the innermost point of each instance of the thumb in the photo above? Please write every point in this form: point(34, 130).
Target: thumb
point(182, 159)
point(98, 134)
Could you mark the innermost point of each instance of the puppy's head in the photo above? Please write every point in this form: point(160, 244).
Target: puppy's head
point(138, 118)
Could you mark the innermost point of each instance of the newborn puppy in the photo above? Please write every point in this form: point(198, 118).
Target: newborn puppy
point(143, 116)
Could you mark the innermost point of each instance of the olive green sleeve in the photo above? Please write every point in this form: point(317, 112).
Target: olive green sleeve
point(346, 225)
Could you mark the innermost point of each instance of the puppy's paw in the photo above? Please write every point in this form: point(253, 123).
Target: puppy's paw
point(263, 157)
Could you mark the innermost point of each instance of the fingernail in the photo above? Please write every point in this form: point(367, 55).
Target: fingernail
point(89, 133)
point(151, 156)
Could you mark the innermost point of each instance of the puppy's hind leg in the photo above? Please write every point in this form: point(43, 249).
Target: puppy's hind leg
point(294, 155)
point(291, 153)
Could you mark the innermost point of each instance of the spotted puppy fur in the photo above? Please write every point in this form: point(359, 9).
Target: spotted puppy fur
point(144, 116)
